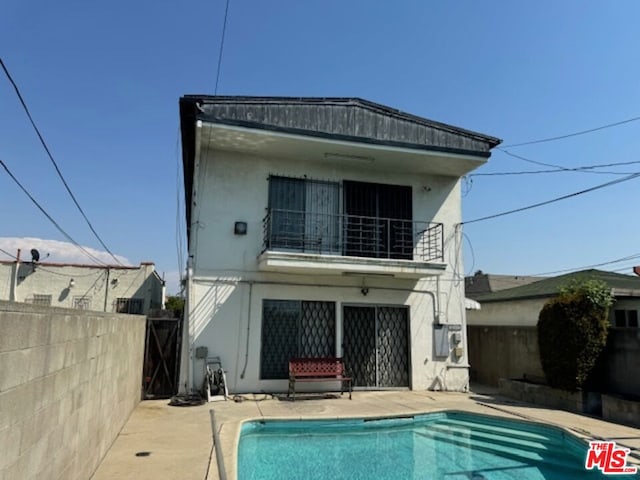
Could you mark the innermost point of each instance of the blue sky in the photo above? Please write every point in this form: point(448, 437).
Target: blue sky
point(102, 80)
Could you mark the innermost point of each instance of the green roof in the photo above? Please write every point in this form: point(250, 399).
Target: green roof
point(551, 286)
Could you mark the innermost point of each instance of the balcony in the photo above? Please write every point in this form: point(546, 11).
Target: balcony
point(316, 243)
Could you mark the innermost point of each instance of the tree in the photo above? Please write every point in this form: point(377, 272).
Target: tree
point(175, 304)
point(572, 332)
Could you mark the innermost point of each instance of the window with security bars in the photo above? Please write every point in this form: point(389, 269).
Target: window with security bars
point(304, 215)
point(375, 220)
point(82, 303)
point(133, 306)
point(293, 328)
point(39, 299)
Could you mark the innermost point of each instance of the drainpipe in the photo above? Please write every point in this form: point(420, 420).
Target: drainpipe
point(14, 278)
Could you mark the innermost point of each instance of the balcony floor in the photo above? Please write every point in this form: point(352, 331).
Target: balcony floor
point(317, 264)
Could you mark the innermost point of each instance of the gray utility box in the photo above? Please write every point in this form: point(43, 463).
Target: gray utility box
point(441, 337)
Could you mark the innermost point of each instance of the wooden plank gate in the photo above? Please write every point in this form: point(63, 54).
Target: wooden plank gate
point(161, 358)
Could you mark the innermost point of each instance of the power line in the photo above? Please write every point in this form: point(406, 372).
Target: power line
point(224, 29)
point(557, 199)
point(7, 253)
point(602, 264)
point(525, 159)
point(55, 224)
point(46, 148)
point(573, 134)
point(574, 169)
point(68, 275)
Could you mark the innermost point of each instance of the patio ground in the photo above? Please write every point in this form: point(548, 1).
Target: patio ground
point(178, 442)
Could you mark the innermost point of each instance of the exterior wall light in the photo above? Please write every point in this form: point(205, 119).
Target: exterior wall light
point(72, 283)
point(240, 228)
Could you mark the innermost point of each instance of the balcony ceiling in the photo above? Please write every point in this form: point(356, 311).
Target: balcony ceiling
point(267, 143)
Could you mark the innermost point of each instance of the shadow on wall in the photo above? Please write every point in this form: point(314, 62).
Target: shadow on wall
point(215, 323)
point(208, 306)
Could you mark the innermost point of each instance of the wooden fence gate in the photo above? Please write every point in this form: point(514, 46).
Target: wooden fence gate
point(161, 358)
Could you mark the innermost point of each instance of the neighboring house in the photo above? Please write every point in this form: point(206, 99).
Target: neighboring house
point(134, 290)
point(480, 283)
point(503, 336)
point(324, 227)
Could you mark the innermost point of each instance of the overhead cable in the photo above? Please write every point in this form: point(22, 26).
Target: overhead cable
point(553, 200)
point(46, 148)
point(55, 224)
point(224, 30)
point(573, 134)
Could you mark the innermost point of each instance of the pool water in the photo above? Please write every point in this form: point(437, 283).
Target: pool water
point(450, 445)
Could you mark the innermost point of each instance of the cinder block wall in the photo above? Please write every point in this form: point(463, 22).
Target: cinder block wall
point(69, 380)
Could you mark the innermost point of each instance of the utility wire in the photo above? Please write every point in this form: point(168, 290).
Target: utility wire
point(40, 267)
point(535, 162)
point(557, 199)
point(602, 264)
point(224, 29)
point(555, 170)
point(58, 227)
point(7, 253)
point(573, 134)
point(46, 148)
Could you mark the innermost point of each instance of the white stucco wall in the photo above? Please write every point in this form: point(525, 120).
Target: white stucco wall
point(100, 285)
point(226, 290)
point(525, 313)
point(516, 313)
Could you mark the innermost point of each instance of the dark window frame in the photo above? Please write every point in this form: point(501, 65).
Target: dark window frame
point(130, 305)
point(625, 318)
point(303, 316)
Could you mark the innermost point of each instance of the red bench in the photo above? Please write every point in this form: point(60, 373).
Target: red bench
point(317, 370)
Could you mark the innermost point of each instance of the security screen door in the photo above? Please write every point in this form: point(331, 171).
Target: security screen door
point(376, 345)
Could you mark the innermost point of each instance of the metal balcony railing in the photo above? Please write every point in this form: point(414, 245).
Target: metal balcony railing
point(352, 235)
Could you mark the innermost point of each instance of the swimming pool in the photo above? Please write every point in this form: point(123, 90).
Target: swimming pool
point(444, 445)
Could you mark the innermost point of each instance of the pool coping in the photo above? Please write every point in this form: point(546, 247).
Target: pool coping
point(227, 461)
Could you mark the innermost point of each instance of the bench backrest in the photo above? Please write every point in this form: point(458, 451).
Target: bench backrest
point(316, 367)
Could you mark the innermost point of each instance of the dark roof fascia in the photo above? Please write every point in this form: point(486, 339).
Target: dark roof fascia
point(191, 111)
point(346, 138)
point(188, 117)
point(355, 101)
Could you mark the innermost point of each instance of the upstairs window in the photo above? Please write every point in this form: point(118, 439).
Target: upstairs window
point(132, 306)
point(625, 318)
point(39, 299)
point(82, 303)
point(306, 216)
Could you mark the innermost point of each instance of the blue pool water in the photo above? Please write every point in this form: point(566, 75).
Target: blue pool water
point(451, 445)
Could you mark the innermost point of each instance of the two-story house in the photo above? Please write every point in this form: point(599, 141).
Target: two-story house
point(324, 227)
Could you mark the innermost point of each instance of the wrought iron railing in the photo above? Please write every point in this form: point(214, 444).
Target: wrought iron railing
point(352, 235)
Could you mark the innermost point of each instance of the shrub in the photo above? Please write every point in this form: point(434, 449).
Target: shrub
point(572, 332)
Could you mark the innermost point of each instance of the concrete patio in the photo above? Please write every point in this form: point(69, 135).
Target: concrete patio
point(178, 442)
